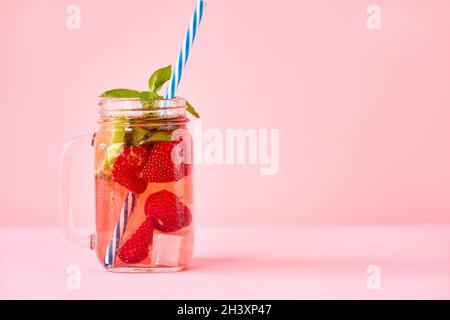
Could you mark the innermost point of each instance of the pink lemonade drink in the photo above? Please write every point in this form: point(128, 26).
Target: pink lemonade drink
point(143, 185)
point(143, 175)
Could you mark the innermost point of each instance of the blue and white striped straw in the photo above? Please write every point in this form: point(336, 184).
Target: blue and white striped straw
point(177, 71)
point(119, 230)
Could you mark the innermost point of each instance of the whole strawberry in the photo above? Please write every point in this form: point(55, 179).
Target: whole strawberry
point(127, 167)
point(160, 167)
point(166, 212)
point(136, 248)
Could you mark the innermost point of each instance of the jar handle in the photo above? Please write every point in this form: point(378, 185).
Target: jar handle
point(65, 209)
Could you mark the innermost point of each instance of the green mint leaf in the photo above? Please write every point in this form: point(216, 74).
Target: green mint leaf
point(118, 128)
point(117, 141)
point(111, 154)
point(158, 78)
point(148, 95)
point(191, 110)
point(137, 135)
point(158, 136)
point(121, 93)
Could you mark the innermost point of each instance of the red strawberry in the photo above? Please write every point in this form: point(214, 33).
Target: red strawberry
point(167, 212)
point(160, 167)
point(127, 167)
point(136, 248)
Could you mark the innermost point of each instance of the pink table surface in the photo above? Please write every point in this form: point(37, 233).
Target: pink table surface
point(277, 262)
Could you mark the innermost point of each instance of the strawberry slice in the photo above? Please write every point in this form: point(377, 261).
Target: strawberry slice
point(166, 212)
point(160, 167)
point(127, 167)
point(136, 248)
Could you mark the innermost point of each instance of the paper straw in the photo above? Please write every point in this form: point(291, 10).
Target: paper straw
point(177, 71)
point(119, 230)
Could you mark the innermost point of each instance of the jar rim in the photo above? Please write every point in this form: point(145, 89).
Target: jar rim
point(175, 102)
point(143, 109)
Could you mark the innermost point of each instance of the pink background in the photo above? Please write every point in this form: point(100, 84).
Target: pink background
point(364, 115)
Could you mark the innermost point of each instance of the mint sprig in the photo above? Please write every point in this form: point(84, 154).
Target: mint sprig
point(191, 110)
point(157, 136)
point(155, 83)
point(149, 95)
point(158, 78)
point(112, 153)
point(121, 93)
point(137, 135)
point(118, 130)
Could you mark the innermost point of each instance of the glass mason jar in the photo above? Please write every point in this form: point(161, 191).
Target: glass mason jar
point(143, 186)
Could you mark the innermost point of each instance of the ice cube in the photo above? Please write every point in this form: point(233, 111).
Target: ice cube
point(166, 249)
